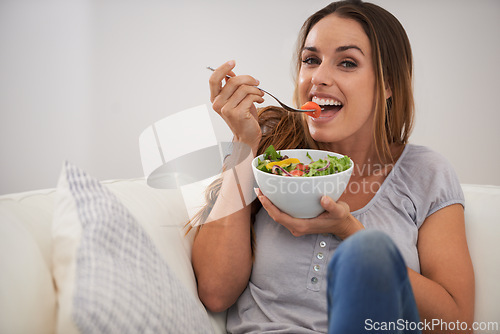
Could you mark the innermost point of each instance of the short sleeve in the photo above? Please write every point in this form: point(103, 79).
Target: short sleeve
point(435, 183)
point(447, 190)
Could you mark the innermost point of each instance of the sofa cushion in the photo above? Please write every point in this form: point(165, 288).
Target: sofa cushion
point(482, 212)
point(27, 296)
point(108, 271)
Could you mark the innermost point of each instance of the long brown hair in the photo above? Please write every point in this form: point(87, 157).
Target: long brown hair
point(393, 64)
point(392, 59)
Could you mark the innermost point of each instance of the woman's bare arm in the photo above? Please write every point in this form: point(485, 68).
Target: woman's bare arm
point(222, 254)
point(445, 289)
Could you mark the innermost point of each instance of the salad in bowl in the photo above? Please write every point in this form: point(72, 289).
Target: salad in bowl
point(295, 180)
point(275, 163)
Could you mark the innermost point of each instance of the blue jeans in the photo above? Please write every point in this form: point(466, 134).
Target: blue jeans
point(368, 287)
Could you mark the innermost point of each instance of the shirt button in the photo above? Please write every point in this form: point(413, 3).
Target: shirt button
point(316, 268)
point(322, 244)
point(319, 256)
point(314, 280)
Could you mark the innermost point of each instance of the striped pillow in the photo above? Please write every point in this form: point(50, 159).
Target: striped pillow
point(109, 275)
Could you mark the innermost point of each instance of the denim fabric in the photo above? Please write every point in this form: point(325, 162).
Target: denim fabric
point(368, 287)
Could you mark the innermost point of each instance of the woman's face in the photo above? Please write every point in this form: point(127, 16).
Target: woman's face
point(337, 73)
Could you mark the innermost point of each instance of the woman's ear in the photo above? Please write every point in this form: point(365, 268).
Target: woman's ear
point(388, 92)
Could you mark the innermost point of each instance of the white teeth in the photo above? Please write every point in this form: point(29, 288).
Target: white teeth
point(326, 102)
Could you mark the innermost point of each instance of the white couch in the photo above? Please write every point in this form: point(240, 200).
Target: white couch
point(28, 297)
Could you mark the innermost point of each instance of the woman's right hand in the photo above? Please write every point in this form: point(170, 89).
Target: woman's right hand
point(234, 102)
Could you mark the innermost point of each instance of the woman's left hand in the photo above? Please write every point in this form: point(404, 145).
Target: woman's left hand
point(336, 219)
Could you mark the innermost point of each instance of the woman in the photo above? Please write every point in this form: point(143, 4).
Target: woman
point(392, 251)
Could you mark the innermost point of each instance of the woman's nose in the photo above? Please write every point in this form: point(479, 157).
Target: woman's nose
point(322, 76)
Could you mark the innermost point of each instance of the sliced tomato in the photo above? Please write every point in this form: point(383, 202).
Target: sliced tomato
point(302, 167)
point(312, 105)
point(297, 172)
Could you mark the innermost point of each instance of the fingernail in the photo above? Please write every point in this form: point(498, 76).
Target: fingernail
point(256, 191)
point(231, 63)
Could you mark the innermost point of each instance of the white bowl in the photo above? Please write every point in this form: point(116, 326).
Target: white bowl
point(300, 196)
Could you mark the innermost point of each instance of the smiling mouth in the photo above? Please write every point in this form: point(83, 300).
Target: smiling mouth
point(329, 107)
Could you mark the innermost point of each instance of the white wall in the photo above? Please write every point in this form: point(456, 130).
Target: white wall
point(81, 79)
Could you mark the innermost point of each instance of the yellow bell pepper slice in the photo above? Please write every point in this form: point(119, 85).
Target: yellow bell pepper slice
point(282, 163)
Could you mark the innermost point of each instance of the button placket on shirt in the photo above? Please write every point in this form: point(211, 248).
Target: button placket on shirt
point(317, 270)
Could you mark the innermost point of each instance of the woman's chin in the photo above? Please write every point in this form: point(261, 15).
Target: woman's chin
point(323, 135)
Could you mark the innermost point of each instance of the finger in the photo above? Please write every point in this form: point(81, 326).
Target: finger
point(239, 115)
point(243, 124)
point(258, 192)
point(240, 80)
point(215, 81)
point(244, 84)
point(231, 74)
point(338, 209)
point(294, 225)
point(241, 93)
point(271, 209)
point(276, 214)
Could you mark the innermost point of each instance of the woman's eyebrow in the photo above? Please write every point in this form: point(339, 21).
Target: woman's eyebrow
point(310, 48)
point(339, 49)
point(347, 47)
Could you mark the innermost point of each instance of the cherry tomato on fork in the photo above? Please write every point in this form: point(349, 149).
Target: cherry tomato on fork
point(312, 105)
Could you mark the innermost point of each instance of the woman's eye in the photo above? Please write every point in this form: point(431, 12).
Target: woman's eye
point(311, 61)
point(348, 64)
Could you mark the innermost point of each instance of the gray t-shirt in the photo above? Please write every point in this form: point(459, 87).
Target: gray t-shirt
point(287, 288)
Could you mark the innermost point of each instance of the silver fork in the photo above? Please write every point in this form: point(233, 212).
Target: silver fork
point(274, 97)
